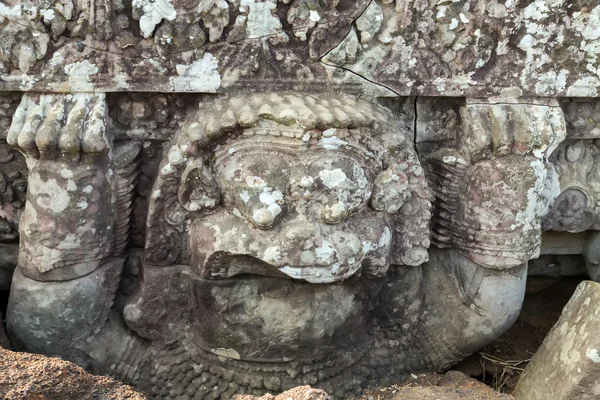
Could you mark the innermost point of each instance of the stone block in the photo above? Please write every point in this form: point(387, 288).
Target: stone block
point(567, 364)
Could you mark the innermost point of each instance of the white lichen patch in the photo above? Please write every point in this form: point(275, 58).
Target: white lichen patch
point(272, 254)
point(331, 143)
point(585, 87)
point(66, 173)
point(332, 178)
point(386, 238)
point(79, 73)
point(47, 14)
point(325, 253)
point(13, 13)
point(593, 355)
point(71, 185)
point(265, 215)
point(199, 76)
point(314, 16)
point(121, 81)
point(245, 196)
point(153, 12)
point(49, 195)
point(269, 197)
point(370, 21)
point(261, 20)
point(56, 60)
point(26, 82)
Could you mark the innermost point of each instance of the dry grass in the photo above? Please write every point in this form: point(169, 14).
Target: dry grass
point(505, 373)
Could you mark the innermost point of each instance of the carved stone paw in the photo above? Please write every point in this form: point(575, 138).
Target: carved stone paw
point(492, 191)
point(75, 190)
point(47, 126)
point(496, 130)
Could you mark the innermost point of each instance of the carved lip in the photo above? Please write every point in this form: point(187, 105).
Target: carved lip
point(223, 265)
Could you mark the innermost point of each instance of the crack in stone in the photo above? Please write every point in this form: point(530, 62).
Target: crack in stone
point(415, 128)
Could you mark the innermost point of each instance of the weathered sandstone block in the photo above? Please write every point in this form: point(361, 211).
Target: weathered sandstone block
point(567, 364)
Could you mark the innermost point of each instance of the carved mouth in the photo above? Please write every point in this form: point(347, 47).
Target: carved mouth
point(268, 319)
point(223, 265)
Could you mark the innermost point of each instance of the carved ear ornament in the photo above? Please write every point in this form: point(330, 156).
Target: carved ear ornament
point(198, 189)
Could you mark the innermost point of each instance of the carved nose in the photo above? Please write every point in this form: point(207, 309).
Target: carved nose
point(309, 243)
point(301, 230)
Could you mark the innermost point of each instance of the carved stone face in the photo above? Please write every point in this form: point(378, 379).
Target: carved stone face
point(278, 217)
point(300, 212)
point(292, 213)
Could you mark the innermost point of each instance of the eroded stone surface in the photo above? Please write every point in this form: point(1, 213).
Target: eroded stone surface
point(240, 196)
point(402, 47)
point(567, 364)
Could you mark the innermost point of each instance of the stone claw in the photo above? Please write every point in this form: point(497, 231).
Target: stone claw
point(45, 126)
point(496, 130)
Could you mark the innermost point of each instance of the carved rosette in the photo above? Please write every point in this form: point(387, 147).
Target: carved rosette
point(577, 208)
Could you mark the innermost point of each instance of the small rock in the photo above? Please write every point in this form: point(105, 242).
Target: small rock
point(297, 393)
point(567, 364)
point(454, 385)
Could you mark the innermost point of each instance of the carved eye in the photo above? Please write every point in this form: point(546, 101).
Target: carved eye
point(268, 210)
point(336, 212)
point(264, 218)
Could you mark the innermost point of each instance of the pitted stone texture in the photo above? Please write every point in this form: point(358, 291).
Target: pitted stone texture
point(375, 47)
point(13, 189)
point(567, 364)
point(8, 104)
